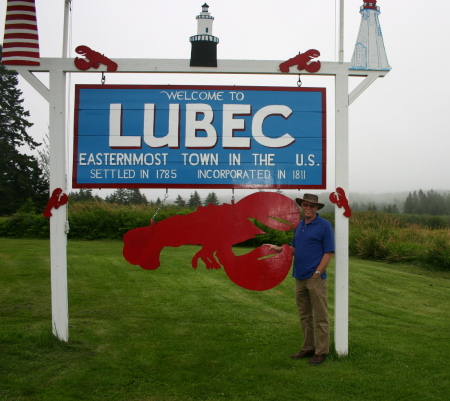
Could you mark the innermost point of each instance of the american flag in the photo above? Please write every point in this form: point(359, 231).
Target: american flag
point(20, 41)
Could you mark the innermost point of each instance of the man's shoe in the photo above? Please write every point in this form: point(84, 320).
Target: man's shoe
point(317, 359)
point(303, 354)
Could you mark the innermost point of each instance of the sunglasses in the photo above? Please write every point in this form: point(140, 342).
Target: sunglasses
point(309, 205)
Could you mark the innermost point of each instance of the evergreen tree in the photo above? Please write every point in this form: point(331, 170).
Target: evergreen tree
point(82, 196)
point(180, 202)
point(44, 158)
point(135, 197)
point(130, 196)
point(119, 196)
point(411, 205)
point(447, 203)
point(422, 202)
point(211, 198)
point(20, 175)
point(434, 204)
point(195, 200)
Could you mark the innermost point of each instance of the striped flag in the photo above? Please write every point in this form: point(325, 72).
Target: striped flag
point(20, 41)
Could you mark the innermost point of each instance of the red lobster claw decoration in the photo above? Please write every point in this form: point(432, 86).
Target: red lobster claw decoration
point(94, 59)
point(302, 61)
point(341, 200)
point(217, 229)
point(57, 199)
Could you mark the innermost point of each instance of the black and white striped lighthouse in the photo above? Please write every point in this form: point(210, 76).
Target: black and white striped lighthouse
point(204, 44)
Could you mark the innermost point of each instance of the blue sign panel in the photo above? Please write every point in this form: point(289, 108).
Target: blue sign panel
point(199, 137)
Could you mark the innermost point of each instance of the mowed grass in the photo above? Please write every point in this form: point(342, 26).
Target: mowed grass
point(181, 334)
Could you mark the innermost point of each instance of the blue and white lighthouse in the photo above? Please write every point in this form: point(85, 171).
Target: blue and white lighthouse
point(204, 44)
point(369, 53)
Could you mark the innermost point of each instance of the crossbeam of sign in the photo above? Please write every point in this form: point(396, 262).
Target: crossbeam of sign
point(203, 137)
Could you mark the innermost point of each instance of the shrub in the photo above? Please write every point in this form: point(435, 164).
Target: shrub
point(25, 225)
point(388, 237)
point(437, 252)
point(424, 220)
point(100, 220)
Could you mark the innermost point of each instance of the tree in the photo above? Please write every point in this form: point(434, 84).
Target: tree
point(422, 202)
point(211, 198)
point(195, 200)
point(411, 205)
point(135, 197)
point(434, 204)
point(119, 196)
point(180, 202)
point(131, 196)
point(44, 158)
point(82, 196)
point(21, 178)
point(431, 203)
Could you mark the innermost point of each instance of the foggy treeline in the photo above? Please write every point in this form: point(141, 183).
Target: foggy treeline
point(416, 202)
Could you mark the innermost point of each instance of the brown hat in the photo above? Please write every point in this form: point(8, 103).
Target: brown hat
point(311, 198)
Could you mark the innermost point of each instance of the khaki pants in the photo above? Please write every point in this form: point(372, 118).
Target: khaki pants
point(311, 297)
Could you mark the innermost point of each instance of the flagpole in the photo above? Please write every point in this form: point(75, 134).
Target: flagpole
point(66, 28)
point(341, 32)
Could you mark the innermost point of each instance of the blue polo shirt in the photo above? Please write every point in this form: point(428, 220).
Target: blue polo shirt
point(311, 241)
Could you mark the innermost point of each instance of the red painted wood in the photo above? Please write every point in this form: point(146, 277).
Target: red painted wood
point(217, 229)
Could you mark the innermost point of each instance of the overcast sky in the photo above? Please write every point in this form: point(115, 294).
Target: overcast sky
point(399, 127)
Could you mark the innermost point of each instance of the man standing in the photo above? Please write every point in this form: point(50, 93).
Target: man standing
point(313, 249)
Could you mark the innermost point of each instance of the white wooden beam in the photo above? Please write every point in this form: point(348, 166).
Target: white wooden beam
point(341, 222)
point(58, 179)
point(369, 80)
point(181, 66)
point(34, 82)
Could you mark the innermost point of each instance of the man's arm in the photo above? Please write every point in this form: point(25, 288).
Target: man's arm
point(325, 261)
point(278, 249)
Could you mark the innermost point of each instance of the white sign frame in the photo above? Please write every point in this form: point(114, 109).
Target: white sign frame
point(56, 96)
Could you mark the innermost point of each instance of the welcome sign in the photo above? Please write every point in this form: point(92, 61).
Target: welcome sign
point(199, 137)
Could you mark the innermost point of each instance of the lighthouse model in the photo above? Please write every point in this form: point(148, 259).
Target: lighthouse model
point(20, 41)
point(369, 53)
point(204, 44)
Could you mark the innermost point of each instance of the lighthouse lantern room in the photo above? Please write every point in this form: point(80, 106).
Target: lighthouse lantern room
point(204, 44)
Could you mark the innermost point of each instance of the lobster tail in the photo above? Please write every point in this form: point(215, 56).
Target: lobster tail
point(142, 248)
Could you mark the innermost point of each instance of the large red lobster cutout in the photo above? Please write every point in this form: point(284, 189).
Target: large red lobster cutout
point(217, 229)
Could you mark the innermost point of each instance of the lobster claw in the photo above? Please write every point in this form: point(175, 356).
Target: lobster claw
point(270, 208)
point(256, 270)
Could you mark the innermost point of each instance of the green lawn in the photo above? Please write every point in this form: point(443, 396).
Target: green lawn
point(181, 334)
